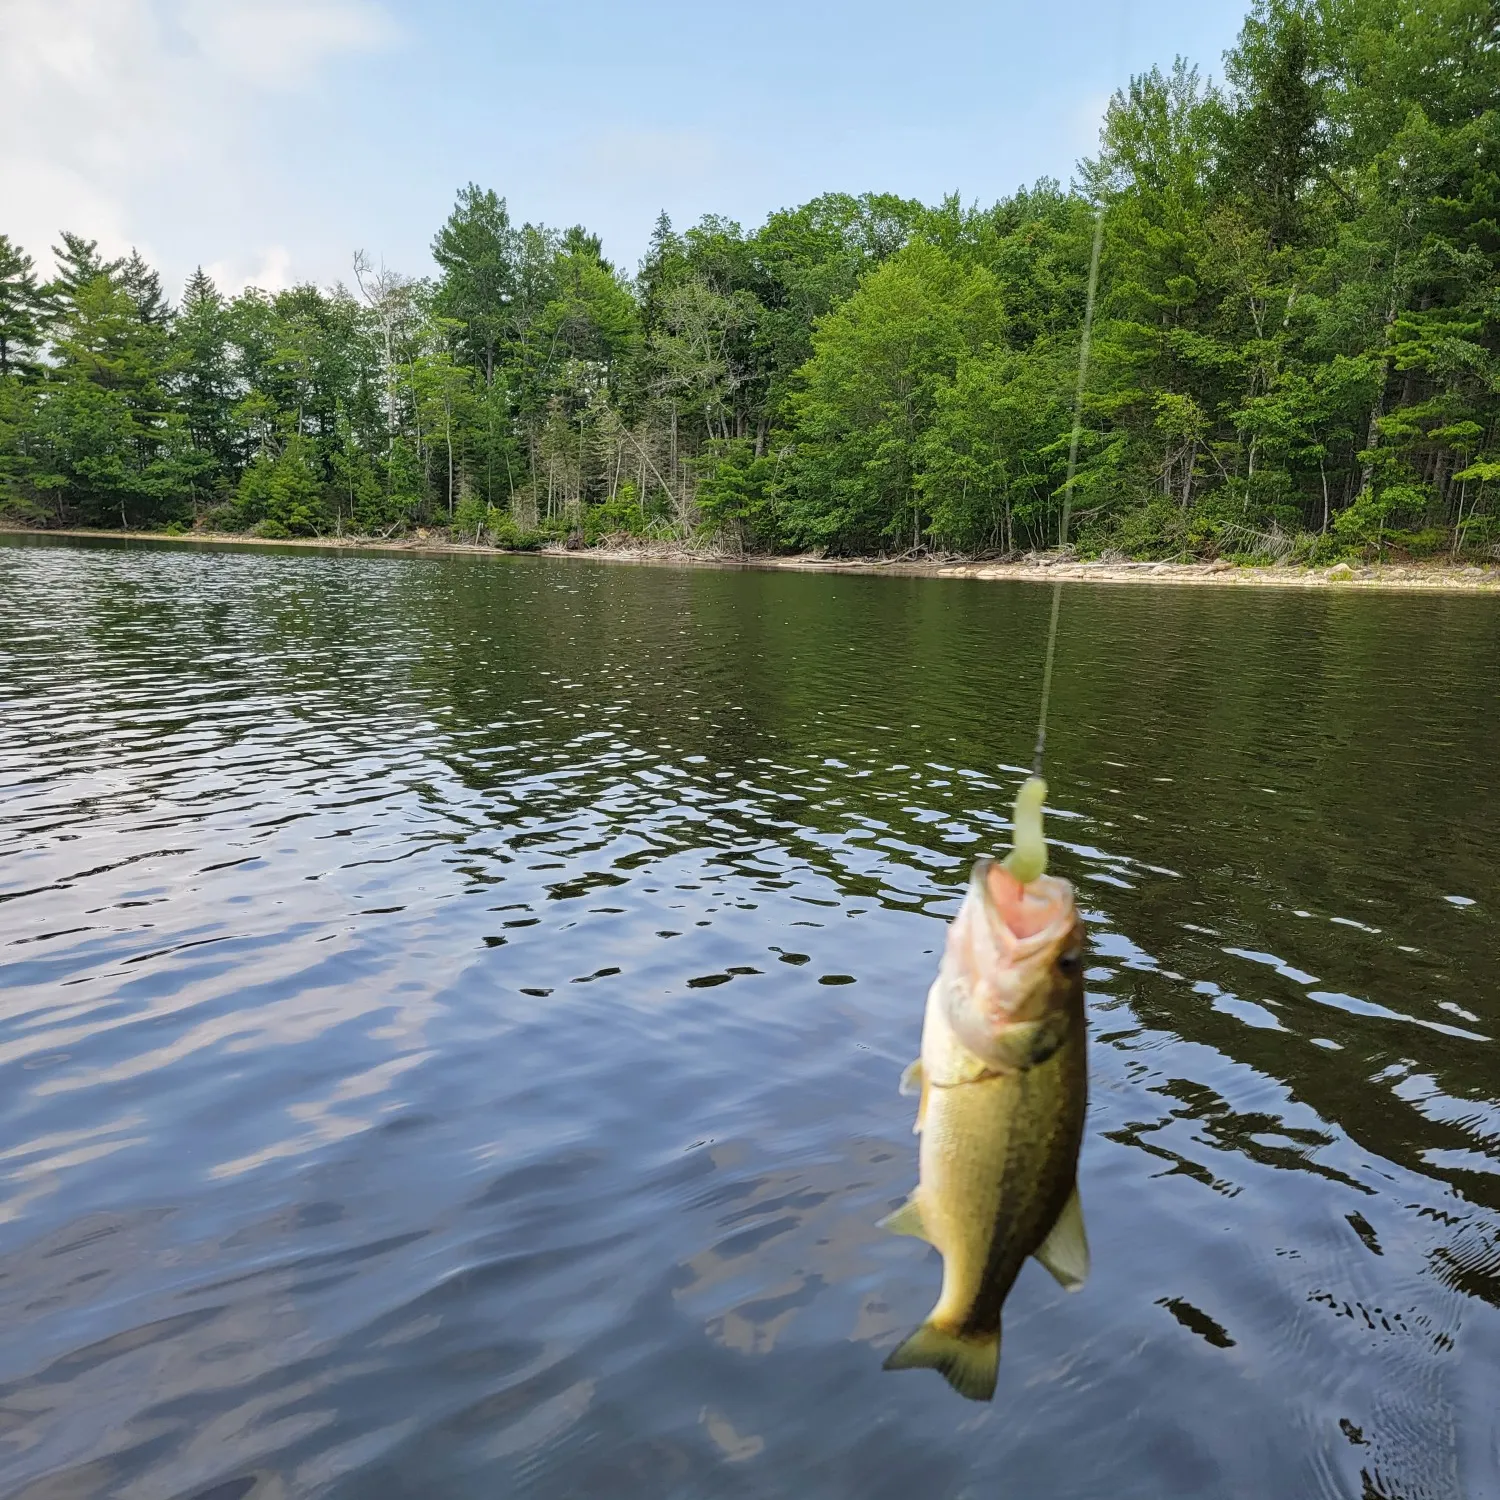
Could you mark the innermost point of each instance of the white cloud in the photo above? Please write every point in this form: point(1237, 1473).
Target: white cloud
point(281, 43)
point(103, 100)
point(271, 271)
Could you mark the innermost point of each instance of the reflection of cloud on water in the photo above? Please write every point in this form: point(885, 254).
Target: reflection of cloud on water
point(876, 1323)
point(31, 1170)
point(480, 1189)
point(786, 1239)
point(322, 1122)
point(753, 1327)
point(734, 1447)
point(541, 1424)
point(147, 1379)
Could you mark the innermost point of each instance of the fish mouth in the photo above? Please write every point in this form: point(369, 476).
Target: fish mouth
point(1011, 971)
point(1025, 921)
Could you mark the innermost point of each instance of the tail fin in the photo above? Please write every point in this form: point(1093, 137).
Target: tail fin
point(968, 1365)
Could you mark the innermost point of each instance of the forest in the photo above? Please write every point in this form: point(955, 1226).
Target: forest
point(1295, 354)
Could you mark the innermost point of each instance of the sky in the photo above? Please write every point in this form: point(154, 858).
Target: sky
point(268, 140)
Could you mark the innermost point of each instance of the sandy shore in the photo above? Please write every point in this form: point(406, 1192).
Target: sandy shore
point(1448, 577)
point(1441, 576)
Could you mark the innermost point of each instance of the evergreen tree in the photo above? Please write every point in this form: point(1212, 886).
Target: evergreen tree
point(1296, 348)
point(144, 287)
point(1277, 142)
point(475, 252)
point(78, 264)
point(20, 310)
point(205, 387)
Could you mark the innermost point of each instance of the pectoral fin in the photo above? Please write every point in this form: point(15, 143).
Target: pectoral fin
point(914, 1081)
point(1065, 1251)
point(906, 1220)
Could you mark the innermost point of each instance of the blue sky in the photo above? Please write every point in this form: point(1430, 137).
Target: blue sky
point(268, 139)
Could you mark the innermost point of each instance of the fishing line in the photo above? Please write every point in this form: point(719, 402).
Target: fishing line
point(1067, 510)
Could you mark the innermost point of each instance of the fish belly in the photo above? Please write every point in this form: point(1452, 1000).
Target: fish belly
point(998, 1162)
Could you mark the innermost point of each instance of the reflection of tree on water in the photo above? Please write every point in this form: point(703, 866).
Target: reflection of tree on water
point(915, 689)
point(470, 721)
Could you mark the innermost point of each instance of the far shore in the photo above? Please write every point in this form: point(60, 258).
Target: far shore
point(1442, 575)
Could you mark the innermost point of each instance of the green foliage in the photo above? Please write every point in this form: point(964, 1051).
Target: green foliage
point(21, 311)
point(737, 494)
point(471, 517)
point(869, 392)
point(282, 495)
point(618, 517)
point(474, 250)
point(1158, 529)
point(1296, 350)
point(507, 532)
point(995, 454)
point(1426, 542)
point(1378, 512)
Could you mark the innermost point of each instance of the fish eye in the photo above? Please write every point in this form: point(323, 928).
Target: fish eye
point(1069, 962)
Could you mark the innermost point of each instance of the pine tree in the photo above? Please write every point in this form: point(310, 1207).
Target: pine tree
point(144, 287)
point(1277, 146)
point(20, 310)
point(205, 387)
point(78, 264)
point(475, 252)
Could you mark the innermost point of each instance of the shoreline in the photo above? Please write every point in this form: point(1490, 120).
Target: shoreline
point(1441, 577)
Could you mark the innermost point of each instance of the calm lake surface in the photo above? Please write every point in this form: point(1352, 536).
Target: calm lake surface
point(451, 1012)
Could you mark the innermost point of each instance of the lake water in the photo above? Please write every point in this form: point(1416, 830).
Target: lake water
point(451, 1012)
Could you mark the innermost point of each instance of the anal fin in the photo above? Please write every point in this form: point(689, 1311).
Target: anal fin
point(906, 1220)
point(1065, 1251)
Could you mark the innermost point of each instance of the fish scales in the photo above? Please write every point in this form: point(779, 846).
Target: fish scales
point(1003, 1074)
point(998, 1159)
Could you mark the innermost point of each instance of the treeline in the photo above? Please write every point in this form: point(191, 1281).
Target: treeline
point(1296, 350)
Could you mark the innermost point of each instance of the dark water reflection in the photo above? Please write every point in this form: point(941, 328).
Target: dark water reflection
point(450, 1015)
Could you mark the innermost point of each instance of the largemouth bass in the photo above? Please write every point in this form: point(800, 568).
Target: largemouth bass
point(1003, 1078)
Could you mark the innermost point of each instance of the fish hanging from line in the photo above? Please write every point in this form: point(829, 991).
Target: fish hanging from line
point(1003, 1084)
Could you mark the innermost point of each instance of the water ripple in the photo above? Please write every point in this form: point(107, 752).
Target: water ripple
point(450, 1014)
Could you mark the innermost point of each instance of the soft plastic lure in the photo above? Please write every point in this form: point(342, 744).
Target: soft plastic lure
point(1028, 855)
